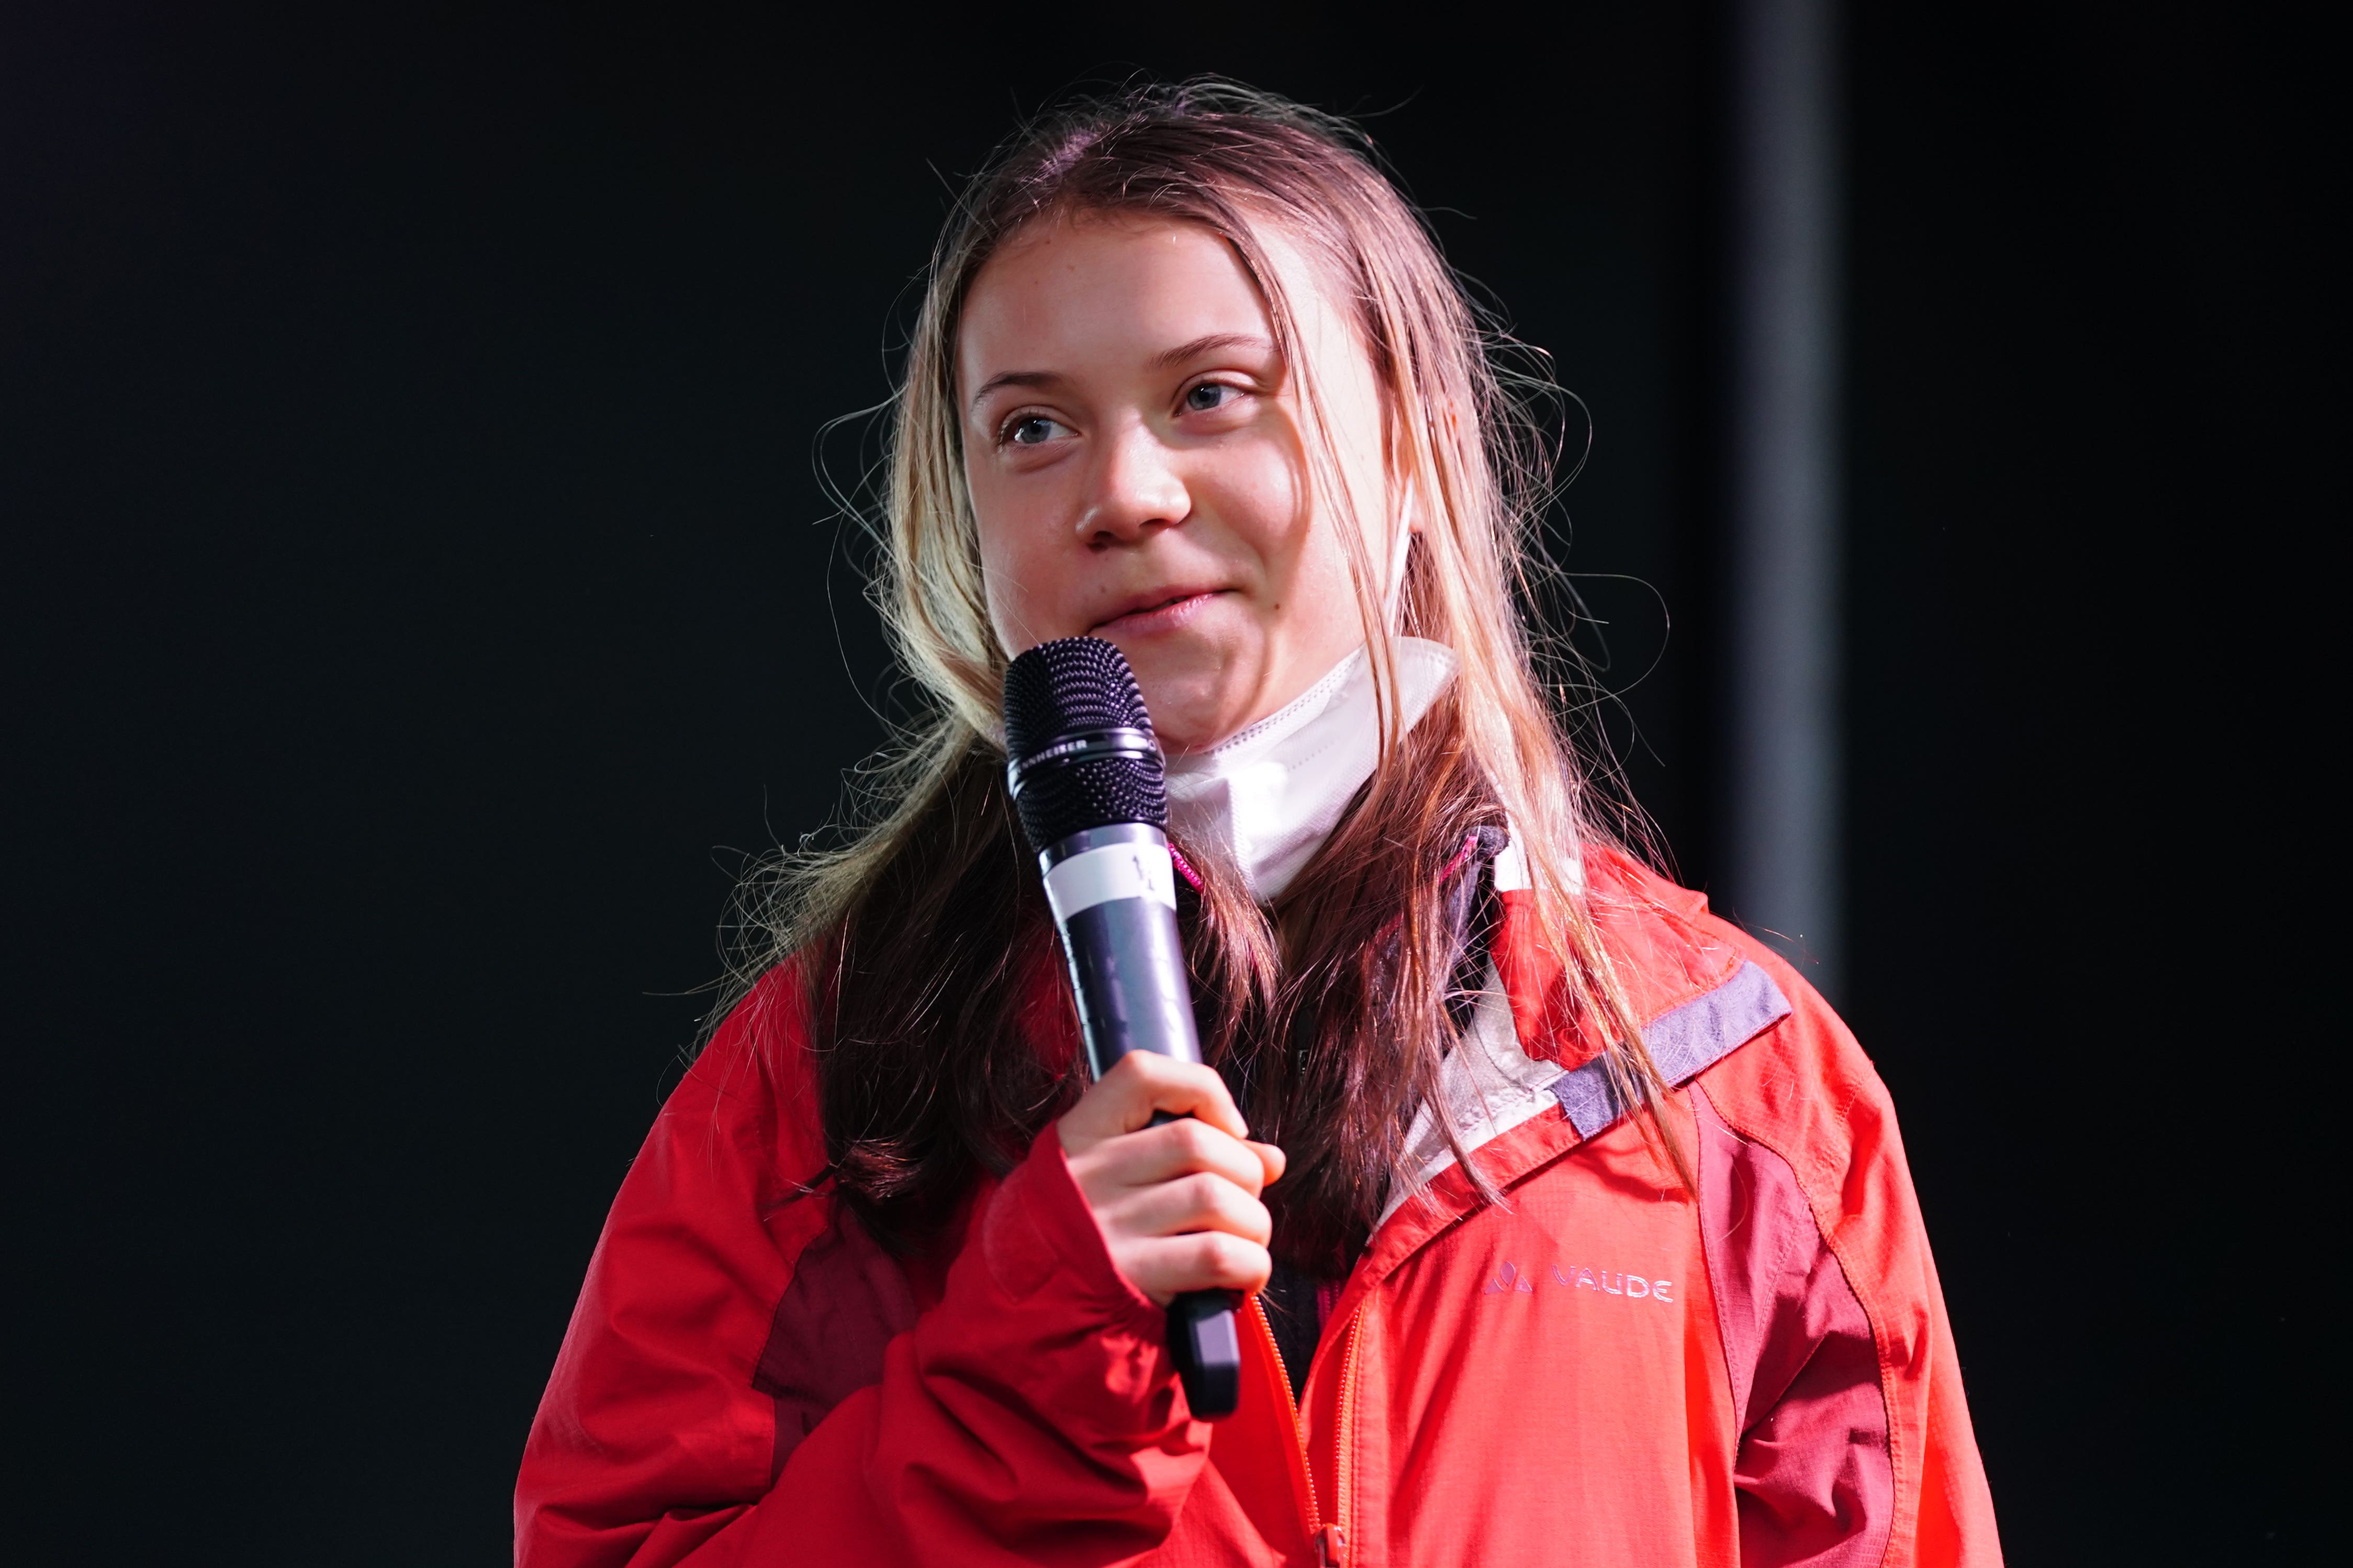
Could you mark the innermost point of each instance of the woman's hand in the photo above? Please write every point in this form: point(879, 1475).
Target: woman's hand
point(1177, 1204)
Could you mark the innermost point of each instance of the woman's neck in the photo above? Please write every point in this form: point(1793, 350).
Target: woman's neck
point(1268, 796)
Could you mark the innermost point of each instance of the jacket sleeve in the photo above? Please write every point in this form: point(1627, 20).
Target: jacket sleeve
point(1816, 1485)
point(1854, 1438)
point(1030, 1416)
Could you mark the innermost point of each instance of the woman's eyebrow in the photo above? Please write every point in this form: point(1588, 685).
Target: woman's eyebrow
point(1014, 378)
point(1166, 359)
point(1210, 344)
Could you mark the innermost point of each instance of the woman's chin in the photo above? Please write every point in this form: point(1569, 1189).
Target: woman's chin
point(1182, 734)
point(1188, 681)
point(1191, 711)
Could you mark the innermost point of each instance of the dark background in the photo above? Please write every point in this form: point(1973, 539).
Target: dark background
point(418, 596)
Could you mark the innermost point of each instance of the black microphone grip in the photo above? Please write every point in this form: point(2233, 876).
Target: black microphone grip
point(1127, 970)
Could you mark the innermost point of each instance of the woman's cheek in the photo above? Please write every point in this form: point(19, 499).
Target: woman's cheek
point(1257, 493)
point(1020, 572)
point(1010, 575)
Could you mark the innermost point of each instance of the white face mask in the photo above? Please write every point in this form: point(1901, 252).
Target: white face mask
point(1271, 795)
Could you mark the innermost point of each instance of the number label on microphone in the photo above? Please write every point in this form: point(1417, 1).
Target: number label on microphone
point(1113, 871)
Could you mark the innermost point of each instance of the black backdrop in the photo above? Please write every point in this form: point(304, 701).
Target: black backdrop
point(418, 595)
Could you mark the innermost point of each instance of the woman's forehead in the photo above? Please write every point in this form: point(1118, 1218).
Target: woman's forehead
point(1102, 286)
point(1071, 291)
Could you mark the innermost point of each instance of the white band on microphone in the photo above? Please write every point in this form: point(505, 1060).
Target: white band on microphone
point(1115, 872)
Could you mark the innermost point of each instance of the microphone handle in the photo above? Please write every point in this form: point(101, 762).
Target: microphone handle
point(1115, 900)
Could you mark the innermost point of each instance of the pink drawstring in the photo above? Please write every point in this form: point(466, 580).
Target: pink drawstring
point(1185, 866)
point(1470, 843)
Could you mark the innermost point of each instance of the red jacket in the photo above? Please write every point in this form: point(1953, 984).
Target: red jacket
point(1603, 1368)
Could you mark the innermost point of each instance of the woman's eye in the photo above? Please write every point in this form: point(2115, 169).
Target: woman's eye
point(1030, 430)
point(1211, 394)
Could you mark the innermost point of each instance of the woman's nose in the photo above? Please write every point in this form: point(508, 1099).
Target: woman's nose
point(1133, 490)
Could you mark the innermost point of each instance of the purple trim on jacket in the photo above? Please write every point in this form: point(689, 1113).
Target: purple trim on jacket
point(1683, 1043)
point(1816, 1483)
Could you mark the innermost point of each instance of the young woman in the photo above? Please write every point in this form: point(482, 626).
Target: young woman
point(1573, 1225)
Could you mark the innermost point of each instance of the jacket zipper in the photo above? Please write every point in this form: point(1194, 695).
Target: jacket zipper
point(1327, 1556)
point(1344, 1439)
point(1331, 1541)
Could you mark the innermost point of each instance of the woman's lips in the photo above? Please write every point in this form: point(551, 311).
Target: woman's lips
point(1165, 613)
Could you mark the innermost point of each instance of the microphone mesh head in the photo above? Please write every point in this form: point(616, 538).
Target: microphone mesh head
point(1062, 689)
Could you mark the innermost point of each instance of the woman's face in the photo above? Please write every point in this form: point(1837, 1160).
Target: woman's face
point(1137, 459)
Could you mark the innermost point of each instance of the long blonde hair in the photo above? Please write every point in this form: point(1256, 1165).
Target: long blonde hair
point(920, 1084)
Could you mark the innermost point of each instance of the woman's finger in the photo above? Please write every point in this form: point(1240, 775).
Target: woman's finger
point(1166, 1266)
point(1193, 1204)
point(1141, 1084)
point(1169, 1152)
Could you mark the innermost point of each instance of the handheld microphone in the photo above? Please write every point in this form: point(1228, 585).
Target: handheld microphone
point(1088, 783)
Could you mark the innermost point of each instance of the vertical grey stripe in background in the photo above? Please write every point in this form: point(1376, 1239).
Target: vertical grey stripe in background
point(1783, 752)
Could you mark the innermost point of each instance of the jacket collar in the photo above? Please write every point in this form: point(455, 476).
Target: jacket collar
point(1695, 995)
point(1268, 796)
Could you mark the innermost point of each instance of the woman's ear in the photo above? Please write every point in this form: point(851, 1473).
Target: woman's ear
point(1404, 487)
point(1409, 512)
point(1408, 481)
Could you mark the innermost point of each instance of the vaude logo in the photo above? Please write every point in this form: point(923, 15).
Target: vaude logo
point(1510, 1279)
